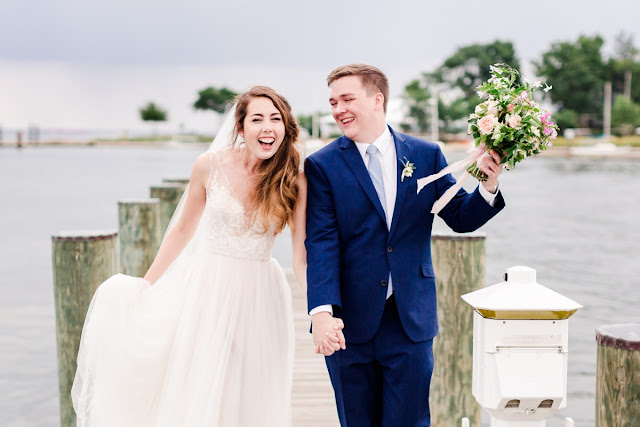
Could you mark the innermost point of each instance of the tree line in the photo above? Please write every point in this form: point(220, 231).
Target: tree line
point(577, 70)
point(209, 98)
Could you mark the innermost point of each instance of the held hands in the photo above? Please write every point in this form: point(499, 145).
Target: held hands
point(327, 333)
point(489, 163)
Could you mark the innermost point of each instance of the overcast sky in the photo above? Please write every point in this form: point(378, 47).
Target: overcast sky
point(79, 63)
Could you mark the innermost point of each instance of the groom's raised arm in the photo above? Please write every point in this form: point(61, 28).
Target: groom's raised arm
point(322, 242)
point(465, 212)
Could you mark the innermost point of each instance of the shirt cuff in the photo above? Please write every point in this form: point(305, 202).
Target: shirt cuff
point(321, 308)
point(487, 196)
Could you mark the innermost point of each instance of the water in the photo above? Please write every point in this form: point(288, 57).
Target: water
point(573, 220)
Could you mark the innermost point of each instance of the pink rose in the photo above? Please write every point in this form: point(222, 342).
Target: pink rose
point(523, 97)
point(486, 124)
point(513, 120)
point(510, 108)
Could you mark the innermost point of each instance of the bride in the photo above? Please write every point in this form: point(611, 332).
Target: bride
point(206, 338)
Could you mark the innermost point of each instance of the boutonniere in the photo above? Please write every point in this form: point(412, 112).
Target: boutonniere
point(408, 169)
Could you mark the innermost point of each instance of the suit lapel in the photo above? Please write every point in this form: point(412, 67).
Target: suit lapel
point(354, 160)
point(402, 151)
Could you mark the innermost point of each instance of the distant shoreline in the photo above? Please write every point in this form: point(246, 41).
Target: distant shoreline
point(581, 151)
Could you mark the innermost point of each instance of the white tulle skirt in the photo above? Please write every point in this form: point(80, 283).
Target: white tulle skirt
point(210, 344)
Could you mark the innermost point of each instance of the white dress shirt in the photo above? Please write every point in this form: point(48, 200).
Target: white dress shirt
point(388, 161)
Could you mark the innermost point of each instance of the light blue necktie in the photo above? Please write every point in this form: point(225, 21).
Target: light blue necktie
point(375, 171)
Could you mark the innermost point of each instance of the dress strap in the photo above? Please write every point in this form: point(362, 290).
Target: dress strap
point(210, 169)
point(226, 180)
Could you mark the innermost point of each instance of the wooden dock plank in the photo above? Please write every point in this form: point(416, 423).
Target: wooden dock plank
point(312, 398)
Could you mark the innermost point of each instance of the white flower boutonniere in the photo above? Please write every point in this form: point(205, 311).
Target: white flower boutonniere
point(408, 169)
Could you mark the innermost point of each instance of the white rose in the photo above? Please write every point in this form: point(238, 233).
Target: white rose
point(492, 108)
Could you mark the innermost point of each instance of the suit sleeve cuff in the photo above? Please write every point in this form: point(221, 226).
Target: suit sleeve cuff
point(321, 308)
point(490, 198)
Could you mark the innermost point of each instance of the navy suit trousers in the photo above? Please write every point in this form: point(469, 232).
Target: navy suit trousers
point(385, 381)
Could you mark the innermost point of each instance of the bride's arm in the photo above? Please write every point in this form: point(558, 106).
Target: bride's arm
point(299, 233)
point(186, 226)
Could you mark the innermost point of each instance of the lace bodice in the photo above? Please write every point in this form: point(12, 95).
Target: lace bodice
point(230, 231)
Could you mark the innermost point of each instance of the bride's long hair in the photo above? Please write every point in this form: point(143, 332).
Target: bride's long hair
point(276, 189)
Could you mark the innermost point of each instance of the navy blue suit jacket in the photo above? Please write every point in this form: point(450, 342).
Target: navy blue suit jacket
point(350, 250)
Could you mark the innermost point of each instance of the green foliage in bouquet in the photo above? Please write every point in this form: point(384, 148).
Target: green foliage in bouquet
point(510, 122)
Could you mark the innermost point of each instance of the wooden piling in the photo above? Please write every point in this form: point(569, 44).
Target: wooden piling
point(618, 375)
point(182, 181)
point(81, 261)
point(139, 230)
point(169, 195)
point(459, 264)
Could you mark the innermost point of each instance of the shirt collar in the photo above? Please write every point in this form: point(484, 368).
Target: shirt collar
point(382, 142)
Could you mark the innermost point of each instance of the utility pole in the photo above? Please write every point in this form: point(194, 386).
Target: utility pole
point(627, 84)
point(607, 111)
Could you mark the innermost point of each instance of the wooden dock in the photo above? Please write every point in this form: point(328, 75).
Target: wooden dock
point(312, 403)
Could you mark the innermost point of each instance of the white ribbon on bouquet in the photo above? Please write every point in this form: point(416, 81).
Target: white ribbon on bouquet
point(474, 155)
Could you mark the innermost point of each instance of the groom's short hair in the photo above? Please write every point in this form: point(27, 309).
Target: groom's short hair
point(372, 78)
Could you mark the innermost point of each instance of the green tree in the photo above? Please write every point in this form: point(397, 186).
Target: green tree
point(566, 118)
point(577, 72)
point(625, 68)
point(214, 99)
point(152, 113)
point(418, 96)
point(460, 74)
point(625, 115)
point(305, 121)
point(468, 67)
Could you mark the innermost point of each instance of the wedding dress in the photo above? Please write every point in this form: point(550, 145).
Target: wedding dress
point(209, 344)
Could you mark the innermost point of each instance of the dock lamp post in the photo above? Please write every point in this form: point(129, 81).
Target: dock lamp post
point(520, 337)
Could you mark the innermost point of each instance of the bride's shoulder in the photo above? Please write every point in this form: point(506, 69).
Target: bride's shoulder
point(203, 167)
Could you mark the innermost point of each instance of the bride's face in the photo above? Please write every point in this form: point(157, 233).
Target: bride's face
point(263, 128)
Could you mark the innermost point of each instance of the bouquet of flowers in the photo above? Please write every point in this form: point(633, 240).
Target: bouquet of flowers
point(510, 122)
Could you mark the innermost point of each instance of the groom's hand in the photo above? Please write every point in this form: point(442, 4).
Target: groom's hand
point(490, 164)
point(327, 333)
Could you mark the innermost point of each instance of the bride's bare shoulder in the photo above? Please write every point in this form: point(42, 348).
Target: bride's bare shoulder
point(203, 167)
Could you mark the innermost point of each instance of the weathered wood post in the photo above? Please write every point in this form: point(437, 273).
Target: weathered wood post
point(459, 264)
point(81, 261)
point(181, 181)
point(618, 375)
point(139, 229)
point(169, 195)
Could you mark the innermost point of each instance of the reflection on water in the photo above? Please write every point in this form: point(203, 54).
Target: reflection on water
point(573, 220)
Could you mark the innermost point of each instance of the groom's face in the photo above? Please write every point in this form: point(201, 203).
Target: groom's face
point(354, 109)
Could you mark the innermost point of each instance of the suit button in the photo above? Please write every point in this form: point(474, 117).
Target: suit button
point(389, 249)
point(383, 283)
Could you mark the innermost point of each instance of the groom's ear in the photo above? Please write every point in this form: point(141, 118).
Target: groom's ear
point(379, 105)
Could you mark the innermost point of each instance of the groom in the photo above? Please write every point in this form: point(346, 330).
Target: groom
point(369, 253)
